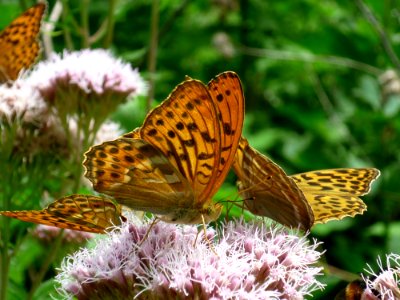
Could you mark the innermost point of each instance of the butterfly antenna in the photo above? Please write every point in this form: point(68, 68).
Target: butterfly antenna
point(244, 190)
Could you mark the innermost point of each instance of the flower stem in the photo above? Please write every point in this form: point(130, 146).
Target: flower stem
point(85, 23)
point(110, 24)
point(45, 266)
point(5, 259)
point(152, 62)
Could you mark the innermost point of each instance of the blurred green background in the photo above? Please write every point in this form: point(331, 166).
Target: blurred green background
point(320, 81)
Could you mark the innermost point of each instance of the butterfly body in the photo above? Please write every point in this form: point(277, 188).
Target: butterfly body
point(19, 44)
point(176, 161)
point(300, 200)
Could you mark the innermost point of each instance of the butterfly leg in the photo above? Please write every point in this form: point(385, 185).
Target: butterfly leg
point(205, 236)
point(155, 221)
point(228, 209)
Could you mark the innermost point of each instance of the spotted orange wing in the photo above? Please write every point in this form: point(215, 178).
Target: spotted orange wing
point(268, 191)
point(186, 155)
point(198, 129)
point(137, 175)
point(226, 91)
point(77, 212)
point(303, 199)
point(19, 43)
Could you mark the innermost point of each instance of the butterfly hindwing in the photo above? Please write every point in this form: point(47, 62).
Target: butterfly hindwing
point(76, 212)
point(102, 212)
point(320, 196)
point(333, 193)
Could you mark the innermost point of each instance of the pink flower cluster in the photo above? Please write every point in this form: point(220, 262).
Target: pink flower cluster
point(49, 233)
point(92, 71)
point(246, 261)
point(386, 284)
point(36, 125)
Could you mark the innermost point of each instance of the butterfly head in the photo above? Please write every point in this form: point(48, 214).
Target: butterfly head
point(206, 215)
point(212, 212)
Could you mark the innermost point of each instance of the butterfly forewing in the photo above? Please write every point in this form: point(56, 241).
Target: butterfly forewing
point(268, 191)
point(134, 134)
point(19, 43)
point(333, 193)
point(138, 175)
point(185, 128)
point(76, 212)
point(208, 131)
point(226, 91)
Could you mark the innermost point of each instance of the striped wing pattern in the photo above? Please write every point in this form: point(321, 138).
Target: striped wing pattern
point(268, 191)
point(300, 200)
point(138, 175)
point(333, 193)
point(189, 142)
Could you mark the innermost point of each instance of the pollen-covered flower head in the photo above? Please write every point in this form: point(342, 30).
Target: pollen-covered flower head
point(248, 261)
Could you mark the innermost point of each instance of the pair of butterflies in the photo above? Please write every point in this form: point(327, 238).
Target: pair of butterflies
point(19, 43)
point(177, 160)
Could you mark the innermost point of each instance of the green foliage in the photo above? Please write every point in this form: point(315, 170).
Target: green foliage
point(314, 100)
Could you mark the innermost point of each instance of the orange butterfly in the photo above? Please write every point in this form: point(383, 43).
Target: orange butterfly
point(77, 212)
point(299, 200)
point(178, 159)
point(19, 43)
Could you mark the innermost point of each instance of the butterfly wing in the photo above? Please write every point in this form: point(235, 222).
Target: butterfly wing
point(185, 129)
point(227, 93)
point(19, 43)
point(268, 191)
point(134, 134)
point(137, 175)
point(198, 129)
point(333, 193)
point(76, 212)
